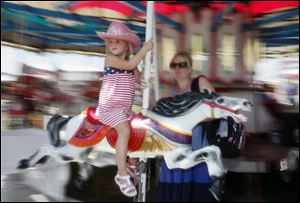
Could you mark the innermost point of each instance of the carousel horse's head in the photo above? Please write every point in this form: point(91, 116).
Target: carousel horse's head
point(224, 106)
point(192, 103)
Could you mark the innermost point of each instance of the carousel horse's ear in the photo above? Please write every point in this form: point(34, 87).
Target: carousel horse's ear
point(209, 95)
point(206, 93)
point(214, 95)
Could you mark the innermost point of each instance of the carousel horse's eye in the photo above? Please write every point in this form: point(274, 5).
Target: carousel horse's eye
point(247, 103)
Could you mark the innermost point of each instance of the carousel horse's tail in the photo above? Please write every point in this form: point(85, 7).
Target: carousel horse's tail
point(54, 125)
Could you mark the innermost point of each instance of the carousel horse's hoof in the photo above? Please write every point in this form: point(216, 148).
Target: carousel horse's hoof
point(24, 163)
point(217, 188)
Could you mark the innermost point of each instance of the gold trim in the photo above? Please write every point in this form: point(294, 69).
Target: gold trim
point(178, 131)
point(153, 143)
point(10, 44)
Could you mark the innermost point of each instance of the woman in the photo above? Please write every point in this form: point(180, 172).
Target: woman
point(192, 184)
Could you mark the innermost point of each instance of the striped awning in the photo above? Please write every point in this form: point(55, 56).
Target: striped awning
point(71, 25)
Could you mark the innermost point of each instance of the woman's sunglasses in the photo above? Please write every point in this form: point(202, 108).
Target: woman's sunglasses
point(180, 65)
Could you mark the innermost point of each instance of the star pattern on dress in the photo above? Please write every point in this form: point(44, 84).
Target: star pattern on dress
point(110, 70)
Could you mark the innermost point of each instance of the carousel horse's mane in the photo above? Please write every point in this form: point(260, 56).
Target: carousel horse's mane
point(179, 104)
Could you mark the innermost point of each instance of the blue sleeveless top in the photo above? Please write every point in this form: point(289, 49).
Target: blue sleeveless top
point(111, 70)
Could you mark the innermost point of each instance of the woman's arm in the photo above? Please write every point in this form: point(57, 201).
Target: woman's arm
point(131, 64)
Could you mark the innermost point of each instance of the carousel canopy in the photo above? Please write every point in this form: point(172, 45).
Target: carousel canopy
point(71, 25)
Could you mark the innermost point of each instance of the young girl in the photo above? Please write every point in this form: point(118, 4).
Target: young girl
point(116, 95)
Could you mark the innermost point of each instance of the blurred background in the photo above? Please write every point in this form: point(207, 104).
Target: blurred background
point(52, 62)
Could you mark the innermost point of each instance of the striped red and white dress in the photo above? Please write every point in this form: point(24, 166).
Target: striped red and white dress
point(116, 96)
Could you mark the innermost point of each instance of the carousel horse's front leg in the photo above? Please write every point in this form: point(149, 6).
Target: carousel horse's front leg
point(213, 159)
point(216, 170)
point(185, 158)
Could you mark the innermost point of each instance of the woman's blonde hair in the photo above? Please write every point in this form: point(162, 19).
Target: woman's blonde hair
point(185, 55)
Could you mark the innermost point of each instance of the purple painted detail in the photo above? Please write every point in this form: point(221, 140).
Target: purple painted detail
point(170, 134)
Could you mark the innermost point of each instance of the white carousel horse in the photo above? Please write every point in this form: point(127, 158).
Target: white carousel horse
point(171, 122)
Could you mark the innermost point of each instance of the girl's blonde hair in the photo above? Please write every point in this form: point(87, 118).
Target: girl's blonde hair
point(185, 55)
point(129, 50)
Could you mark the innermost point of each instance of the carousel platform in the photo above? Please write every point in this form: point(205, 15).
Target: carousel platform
point(255, 176)
point(51, 182)
point(33, 184)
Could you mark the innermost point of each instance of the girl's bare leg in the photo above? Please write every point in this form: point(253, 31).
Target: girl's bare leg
point(123, 130)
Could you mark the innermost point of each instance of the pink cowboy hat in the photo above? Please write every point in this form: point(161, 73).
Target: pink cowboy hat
point(120, 31)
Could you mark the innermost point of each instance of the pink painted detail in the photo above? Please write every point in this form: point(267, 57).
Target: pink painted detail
point(215, 105)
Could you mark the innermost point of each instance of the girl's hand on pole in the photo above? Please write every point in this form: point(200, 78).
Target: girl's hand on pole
point(149, 44)
point(145, 84)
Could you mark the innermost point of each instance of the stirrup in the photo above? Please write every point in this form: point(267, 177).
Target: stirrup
point(132, 170)
point(127, 188)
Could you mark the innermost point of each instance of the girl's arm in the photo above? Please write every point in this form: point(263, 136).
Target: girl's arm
point(131, 64)
point(137, 75)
